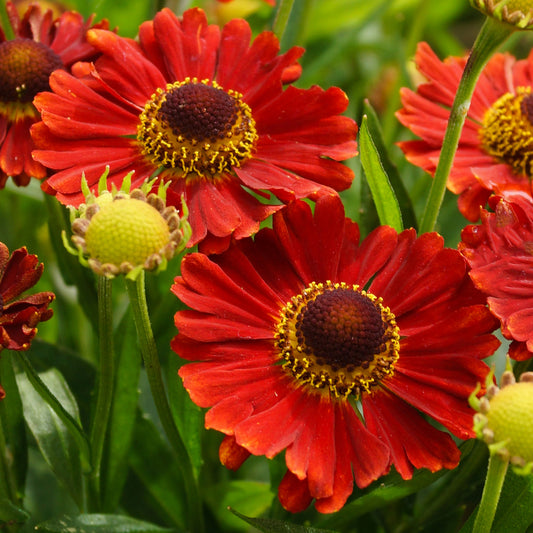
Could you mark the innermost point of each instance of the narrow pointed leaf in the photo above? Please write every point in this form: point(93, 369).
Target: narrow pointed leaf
point(378, 181)
point(55, 441)
point(404, 202)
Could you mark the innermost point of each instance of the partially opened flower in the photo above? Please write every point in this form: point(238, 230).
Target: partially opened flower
point(495, 152)
point(307, 340)
point(127, 231)
point(19, 313)
point(203, 109)
point(500, 253)
point(41, 45)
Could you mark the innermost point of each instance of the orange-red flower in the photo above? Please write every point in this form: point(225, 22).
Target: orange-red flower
point(41, 45)
point(19, 315)
point(500, 252)
point(295, 331)
point(203, 109)
point(495, 152)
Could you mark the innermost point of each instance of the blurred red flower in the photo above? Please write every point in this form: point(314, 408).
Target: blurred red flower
point(495, 151)
point(41, 45)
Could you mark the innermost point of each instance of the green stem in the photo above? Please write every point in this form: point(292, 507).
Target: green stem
point(6, 23)
point(493, 33)
point(491, 493)
point(73, 427)
point(282, 17)
point(105, 386)
point(137, 296)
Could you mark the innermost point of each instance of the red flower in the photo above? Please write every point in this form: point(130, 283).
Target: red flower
point(41, 45)
point(500, 252)
point(495, 152)
point(203, 109)
point(19, 316)
point(291, 330)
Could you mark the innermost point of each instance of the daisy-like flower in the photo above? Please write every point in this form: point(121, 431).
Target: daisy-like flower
point(19, 315)
point(500, 253)
point(495, 151)
point(307, 340)
point(202, 108)
point(41, 45)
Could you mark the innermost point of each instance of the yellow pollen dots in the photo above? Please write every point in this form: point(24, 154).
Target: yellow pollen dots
point(507, 131)
point(196, 129)
point(337, 339)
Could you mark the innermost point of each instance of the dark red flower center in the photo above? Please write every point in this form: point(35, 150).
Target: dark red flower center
point(25, 66)
point(507, 131)
point(337, 337)
point(199, 112)
point(342, 328)
point(197, 129)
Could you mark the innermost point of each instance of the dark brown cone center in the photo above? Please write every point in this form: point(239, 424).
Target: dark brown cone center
point(343, 328)
point(199, 112)
point(25, 66)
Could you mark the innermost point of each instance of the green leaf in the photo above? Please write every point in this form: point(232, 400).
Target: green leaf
point(11, 513)
point(405, 204)
point(268, 525)
point(78, 372)
point(123, 415)
point(12, 420)
point(99, 523)
point(155, 487)
point(378, 181)
point(250, 497)
point(57, 445)
point(188, 416)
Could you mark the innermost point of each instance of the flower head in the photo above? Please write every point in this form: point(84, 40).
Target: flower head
point(41, 45)
point(19, 315)
point(495, 152)
point(292, 333)
point(500, 253)
point(517, 13)
point(202, 109)
point(505, 419)
point(125, 232)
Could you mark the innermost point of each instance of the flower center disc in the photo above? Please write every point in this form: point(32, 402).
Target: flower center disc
point(126, 231)
point(197, 129)
point(25, 67)
point(338, 337)
point(507, 132)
